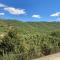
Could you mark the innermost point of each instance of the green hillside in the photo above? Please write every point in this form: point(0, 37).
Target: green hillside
point(28, 40)
point(29, 27)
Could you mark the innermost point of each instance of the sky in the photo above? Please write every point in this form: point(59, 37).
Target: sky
point(30, 10)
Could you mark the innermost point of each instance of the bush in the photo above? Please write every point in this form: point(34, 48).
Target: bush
point(28, 46)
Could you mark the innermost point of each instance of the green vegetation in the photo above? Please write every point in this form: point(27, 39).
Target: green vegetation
point(28, 40)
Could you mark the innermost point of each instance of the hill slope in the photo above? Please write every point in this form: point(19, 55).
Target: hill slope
point(29, 26)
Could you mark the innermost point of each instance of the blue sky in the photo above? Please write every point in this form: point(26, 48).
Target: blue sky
point(30, 10)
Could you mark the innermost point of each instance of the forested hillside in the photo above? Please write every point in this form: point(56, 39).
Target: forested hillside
point(28, 40)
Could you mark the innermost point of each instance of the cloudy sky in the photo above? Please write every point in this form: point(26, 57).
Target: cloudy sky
point(30, 10)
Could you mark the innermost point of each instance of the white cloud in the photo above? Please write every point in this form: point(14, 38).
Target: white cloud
point(36, 16)
point(54, 20)
point(12, 10)
point(2, 5)
point(1, 14)
point(15, 11)
point(55, 14)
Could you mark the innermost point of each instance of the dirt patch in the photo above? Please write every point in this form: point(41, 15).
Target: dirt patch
point(50, 57)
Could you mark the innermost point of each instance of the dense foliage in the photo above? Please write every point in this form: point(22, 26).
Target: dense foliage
point(25, 41)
